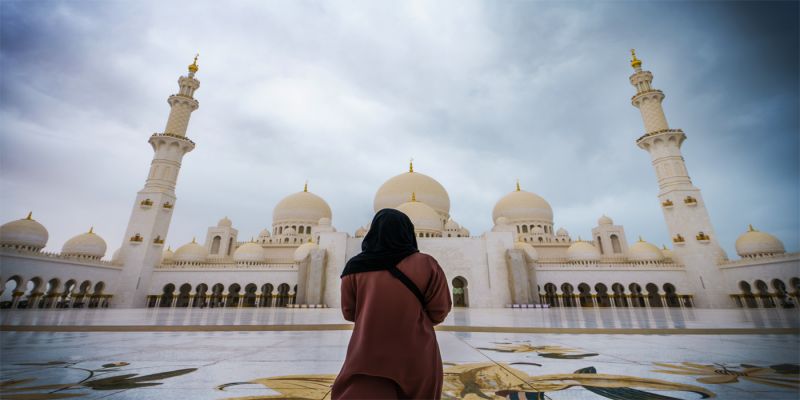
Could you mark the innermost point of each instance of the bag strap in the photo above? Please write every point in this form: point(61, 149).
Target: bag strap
point(409, 284)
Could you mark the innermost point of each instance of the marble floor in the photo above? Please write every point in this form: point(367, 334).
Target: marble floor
point(301, 364)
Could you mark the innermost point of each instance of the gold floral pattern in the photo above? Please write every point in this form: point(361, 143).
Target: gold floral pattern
point(488, 381)
point(779, 375)
point(558, 352)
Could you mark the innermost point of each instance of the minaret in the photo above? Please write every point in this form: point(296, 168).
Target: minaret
point(685, 212)
point(152, 210)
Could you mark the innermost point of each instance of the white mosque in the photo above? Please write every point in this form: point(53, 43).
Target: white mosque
point(524, 261)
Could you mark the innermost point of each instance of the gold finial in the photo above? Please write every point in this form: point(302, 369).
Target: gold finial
point(194, 239)
point(411, 165)
point(91, 229)
point(518, 184)
point(30, 213)
point(305, 186)
point(750, 228)
point(413, 196)
point(635, 62)
point(193, 68)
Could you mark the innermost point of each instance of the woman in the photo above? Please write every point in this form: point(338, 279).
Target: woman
point(395, 295)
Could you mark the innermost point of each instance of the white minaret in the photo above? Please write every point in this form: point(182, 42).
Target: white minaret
point(143, 242)
point(685, 212)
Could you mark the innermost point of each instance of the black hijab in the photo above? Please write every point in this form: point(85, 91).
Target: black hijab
point(390, 239)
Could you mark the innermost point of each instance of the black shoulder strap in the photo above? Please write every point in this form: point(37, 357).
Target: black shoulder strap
point(409, 284)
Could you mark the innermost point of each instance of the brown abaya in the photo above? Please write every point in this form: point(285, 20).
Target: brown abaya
point(393, 340)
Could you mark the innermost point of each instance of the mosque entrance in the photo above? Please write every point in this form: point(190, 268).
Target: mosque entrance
point(459, 292)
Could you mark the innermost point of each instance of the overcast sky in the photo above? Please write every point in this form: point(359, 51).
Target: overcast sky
point(344, 93)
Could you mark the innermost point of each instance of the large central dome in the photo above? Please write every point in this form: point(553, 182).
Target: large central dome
point(398, 189)
point(520, 205)
point(301, 207)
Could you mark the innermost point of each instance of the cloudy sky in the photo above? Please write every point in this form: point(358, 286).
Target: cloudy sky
point(342, 94)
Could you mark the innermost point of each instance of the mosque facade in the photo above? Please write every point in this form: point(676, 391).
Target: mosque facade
point(523, 261)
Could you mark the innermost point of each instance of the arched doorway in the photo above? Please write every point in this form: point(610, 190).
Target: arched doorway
point(780, 293)
point(283, 295)
point(200, 296)
point(619, 295)
point(764, 295)
point(550, 296)
point(568, 296)
point(266, 295)
point(51, 296)
point(216, 295)
point(671, 295)
point(250, 295)
point(167, 295)
point(67, 296)
point(602, 295)
point(233, 295)
point(585, 295)
point(12, 285)
point(747, 293)
point(83, 291)
point(459, 292)
point(183, 295)
point(97, 295)
point(653, 296)
point(637, 298)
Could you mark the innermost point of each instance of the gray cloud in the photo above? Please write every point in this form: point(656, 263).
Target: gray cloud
point(342, 94)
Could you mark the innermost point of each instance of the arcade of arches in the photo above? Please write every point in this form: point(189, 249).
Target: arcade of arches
point(776, 294)
point(634, 295)
point(235, 295)
point(37, 293)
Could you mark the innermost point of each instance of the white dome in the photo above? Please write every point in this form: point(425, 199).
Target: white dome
point(85, 245)
point(424, 217)
point(451, 225)
point(562, 232)
point(583, 251)
point(24, 232)
point(249, 252)
point(398, 189)
point(667, 253)
point(464, 232)
point(302, 252)
point(520, 205)
point(168, 256)
point(643, 251)
point(225, 223)
point(301, 207)
point(755, 243)
point(605, 220)
point(264, 233)
point(324, 221)
point(190, 252)
point(361, 232)
point(530, 252)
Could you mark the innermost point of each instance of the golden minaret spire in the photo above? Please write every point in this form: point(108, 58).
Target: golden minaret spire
point(305, 186)
point(194, 67)
point(411, 165)
point(518, 189)
point(635, 62)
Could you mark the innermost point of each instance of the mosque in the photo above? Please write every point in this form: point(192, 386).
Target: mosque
point(523, 261)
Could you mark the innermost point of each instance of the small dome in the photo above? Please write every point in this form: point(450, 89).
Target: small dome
point(304, 250)
point(85, 245)
point(520, 205)
point(530, 252)
point(583, 251)
point(249, 252)
point(190, 252)
point(397, 189)
point(451, 225)
point(562, 232)
point(24, 232)
point(605, 220)
point(301, 207)
point(464, 232)
point(325, 221)
point(264, 233)
point(422, 216)
point(667, 253)
point(755, 243)
point(225, 223)
point(168, 256)
point(537, 230)
point(643, 251)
